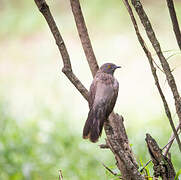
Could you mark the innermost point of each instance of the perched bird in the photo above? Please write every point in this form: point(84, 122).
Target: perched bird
point(102, 98)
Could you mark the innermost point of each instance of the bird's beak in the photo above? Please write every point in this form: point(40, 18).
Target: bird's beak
point(117, 67)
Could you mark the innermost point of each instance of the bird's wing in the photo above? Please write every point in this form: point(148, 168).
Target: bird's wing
point(102, 97)
point(92, 92)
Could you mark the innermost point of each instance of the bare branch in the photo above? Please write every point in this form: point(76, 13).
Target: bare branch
point(118, 142)
point(156, 45)
point(175, 24)
point(84, 36)
point(67, 69)
point(170, 142)
point(162, 165)
point(153, 69)
point(166, 147)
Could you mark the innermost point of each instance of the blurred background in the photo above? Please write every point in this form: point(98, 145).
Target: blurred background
point(42, 114)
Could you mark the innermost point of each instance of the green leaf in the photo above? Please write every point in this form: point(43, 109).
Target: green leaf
point(177, 175)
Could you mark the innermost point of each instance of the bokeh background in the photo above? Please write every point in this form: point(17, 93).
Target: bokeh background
point(42, 114)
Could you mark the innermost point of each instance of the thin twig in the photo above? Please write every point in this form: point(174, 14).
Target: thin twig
point(149, 177)
point(175, 24)
point(170, 142)
point(153, 69)
point(108, 169)
point(141, 170)
point(104, 146)
point(158, 66)
point(84, 36)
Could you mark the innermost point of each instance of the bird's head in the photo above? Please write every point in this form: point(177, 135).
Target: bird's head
point(109, 68)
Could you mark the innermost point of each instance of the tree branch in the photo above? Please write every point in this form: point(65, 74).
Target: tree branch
point(153, 70)
point(175, 24)
point(162, 165)
point(67, 69)
point(84, 36)
point(166, 147)
point(156, 45)
point(118, 142)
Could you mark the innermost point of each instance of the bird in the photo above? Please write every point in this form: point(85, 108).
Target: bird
point(102, 98)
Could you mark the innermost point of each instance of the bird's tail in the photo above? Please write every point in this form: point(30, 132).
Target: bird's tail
point(94, 125)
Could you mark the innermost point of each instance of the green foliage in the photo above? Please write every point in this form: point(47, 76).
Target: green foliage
point(38, 149)
point(18, 17)
point(146, 171)
point(177, 175)
point(22, 17)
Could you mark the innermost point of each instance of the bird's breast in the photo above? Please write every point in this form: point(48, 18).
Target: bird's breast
point(104, 94)
point(115, 84)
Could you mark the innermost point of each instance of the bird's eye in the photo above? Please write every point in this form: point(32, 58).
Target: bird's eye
point(109, 66)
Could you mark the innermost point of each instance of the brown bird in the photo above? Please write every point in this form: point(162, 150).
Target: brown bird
point(102, 98)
